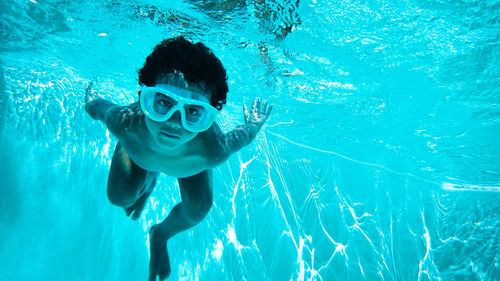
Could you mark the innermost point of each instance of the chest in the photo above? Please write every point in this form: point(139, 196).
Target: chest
point(182, 165)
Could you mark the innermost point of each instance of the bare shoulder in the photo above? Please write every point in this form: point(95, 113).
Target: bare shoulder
point(125, 120)
point(214, 145)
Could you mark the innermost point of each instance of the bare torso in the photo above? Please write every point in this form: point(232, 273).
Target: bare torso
point(186, 160)
point(139, 157)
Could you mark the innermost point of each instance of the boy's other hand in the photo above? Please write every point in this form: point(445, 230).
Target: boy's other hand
point(89, 94)
point(257, 116)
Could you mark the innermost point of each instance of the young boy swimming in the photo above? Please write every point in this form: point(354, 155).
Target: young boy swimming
point(171, 130)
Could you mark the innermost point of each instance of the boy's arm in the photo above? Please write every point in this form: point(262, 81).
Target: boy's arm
point(244, 134)
point(118, 119)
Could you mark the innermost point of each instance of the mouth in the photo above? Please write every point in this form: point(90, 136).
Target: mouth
point(172, 136)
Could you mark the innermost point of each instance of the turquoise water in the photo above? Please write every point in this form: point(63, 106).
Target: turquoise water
point(381, 160)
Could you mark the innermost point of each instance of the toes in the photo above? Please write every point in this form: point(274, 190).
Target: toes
point(164, 272)
point(159, 263)
point(136, 215)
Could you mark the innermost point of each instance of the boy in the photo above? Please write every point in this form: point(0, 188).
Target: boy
point(171, 130)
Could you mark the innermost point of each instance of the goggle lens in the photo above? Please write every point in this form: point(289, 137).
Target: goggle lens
point(160, 104)
point(163, 103)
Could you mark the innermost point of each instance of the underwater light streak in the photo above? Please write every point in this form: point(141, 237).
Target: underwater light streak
point(444, 185)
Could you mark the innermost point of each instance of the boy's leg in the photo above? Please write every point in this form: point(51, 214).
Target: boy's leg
point(197, 199)
point(128, 184)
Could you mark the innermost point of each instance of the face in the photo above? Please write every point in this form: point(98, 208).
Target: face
point(171, 134)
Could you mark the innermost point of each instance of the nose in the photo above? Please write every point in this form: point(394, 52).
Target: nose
point(176, 117)
point(173, 124)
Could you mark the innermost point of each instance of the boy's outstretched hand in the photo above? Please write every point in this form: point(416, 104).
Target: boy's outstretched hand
point(89, 94)
point(92, 99)
point(257, 116)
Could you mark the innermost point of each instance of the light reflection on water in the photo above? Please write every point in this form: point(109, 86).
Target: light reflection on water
point(384, 129)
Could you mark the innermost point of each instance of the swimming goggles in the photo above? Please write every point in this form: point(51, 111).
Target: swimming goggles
point(161, 102)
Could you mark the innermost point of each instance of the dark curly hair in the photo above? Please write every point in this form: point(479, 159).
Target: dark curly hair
point(196, 62)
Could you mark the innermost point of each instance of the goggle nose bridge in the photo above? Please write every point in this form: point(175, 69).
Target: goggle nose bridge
point(179, 105)
point(175, 108)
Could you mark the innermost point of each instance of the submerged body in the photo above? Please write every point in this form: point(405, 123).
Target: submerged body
point(169, 143)
point(151, 150)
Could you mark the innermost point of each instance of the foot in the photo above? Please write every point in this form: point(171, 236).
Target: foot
point(136, 209)
point(159, 263)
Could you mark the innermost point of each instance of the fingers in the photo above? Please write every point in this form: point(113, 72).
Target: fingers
point(259, 107)
point(89, 86)
point(88, 90)
point(259, 113)
point(263, 107)
point(266, 108)
point(89, 95)
point(246, 115)
point(268, 111)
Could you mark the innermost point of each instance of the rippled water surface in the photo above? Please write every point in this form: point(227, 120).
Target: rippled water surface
point(381, 160)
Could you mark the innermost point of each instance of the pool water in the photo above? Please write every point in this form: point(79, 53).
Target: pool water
point(380, 161)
